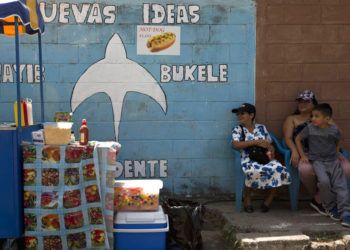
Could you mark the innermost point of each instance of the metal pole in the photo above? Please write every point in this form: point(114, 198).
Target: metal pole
point(19, 114)
point(41, 79)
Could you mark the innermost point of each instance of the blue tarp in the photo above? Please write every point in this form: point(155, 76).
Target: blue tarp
point(28, 12)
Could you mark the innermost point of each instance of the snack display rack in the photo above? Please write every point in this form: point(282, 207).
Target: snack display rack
point(16, 17)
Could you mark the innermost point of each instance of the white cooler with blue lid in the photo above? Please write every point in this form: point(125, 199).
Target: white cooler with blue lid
point(141, 230)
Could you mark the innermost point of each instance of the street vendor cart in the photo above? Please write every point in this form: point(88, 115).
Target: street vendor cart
point(16, 17)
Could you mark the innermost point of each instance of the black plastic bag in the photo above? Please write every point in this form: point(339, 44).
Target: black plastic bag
point(185, 222)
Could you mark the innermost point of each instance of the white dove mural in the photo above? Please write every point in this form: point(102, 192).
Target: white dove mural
point(116, 75)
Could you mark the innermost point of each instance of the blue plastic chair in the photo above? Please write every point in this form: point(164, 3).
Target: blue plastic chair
point(294, 186)
point(240, 177)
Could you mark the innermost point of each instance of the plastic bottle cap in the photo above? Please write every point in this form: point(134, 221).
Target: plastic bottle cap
point(83, 121)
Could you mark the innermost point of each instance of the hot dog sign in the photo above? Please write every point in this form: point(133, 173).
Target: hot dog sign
point(158, 40)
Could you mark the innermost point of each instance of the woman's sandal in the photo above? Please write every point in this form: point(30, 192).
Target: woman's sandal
point(248, 209)
point(264, 208)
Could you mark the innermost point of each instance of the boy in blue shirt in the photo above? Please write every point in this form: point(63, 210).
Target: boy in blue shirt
point(323, 139)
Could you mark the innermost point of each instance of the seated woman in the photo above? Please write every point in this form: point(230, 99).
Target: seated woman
point(293, 125)
point(258, 176)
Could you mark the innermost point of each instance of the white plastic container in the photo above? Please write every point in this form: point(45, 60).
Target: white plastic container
point(57, 133)
point(141, 230)
point(137, 195)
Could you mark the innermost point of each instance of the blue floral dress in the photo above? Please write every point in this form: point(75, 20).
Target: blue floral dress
point(260, 176)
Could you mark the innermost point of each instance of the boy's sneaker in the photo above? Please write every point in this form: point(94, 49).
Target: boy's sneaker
point(318, 207)
point(346, 221)
point(334, 214)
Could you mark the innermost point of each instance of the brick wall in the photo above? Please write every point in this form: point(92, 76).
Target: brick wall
point(302, 44)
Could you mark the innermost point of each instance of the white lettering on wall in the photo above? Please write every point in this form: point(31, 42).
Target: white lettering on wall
point(136, 169)
point(7, 73)
point(163, 168)
point(159, 13)
point(182, 16)
point(95, 14)
point(21, 68)
point(193, 10)
point(171, 13)
point(80, 15)
point(64, 13)
point(165, 73)
point(203, 73)
point(90, 13)
point(189, 72)
point(128, 169)
point(140, 168)
point(109, 13)
point(28, 73)
point(51, 17)
point(146, 13)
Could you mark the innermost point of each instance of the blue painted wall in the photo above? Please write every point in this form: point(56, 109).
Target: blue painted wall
point(190, 140)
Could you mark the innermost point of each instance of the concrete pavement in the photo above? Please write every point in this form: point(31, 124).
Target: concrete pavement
point(280, 228)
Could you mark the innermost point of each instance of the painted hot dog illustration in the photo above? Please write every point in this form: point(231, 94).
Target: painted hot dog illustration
point(160, 42)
